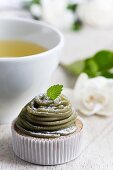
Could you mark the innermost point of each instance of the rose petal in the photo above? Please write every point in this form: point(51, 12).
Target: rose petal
point(107, 109)
point(96, 12)
point(56, 13)
point(83, 110)
point(80, 81)
point(36, 10)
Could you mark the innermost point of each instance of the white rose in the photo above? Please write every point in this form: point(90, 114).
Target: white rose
point(94, 95)
point(36, 10)
point(96, 13)
point(56, 13)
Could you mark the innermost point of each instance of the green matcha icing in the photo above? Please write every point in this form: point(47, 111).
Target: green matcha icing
point(43, 117)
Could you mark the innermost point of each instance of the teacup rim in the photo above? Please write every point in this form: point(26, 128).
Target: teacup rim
point(43, 54)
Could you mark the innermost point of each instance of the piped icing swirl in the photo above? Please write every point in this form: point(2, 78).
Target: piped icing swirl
point(43, 117)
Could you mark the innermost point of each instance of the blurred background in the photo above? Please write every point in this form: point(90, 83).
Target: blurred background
point(87, 26)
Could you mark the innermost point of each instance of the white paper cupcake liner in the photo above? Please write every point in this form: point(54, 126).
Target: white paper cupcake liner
point(47, 151)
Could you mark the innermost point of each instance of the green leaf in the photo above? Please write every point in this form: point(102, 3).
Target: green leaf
point(104, 59)
point(107, 74)
point(36, 1)
point(77, 25)
point(74, 68)
point(72, 7)
point(91, 68)
point(54, 91)
point(97, 65)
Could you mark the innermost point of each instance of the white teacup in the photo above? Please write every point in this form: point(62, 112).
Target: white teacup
point(22, 78)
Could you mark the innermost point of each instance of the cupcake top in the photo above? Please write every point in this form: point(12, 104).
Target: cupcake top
point(47, 115)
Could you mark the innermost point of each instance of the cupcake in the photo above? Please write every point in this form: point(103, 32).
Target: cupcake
point(47, 131)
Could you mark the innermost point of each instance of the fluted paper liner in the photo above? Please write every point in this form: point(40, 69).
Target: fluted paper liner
point(46, 151)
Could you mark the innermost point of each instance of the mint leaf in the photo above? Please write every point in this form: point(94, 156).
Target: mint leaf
point(54, 91)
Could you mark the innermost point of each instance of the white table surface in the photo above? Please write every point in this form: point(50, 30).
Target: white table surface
point(97, 151)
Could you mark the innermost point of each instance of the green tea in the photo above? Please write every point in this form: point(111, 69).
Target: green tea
point(19, 48)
